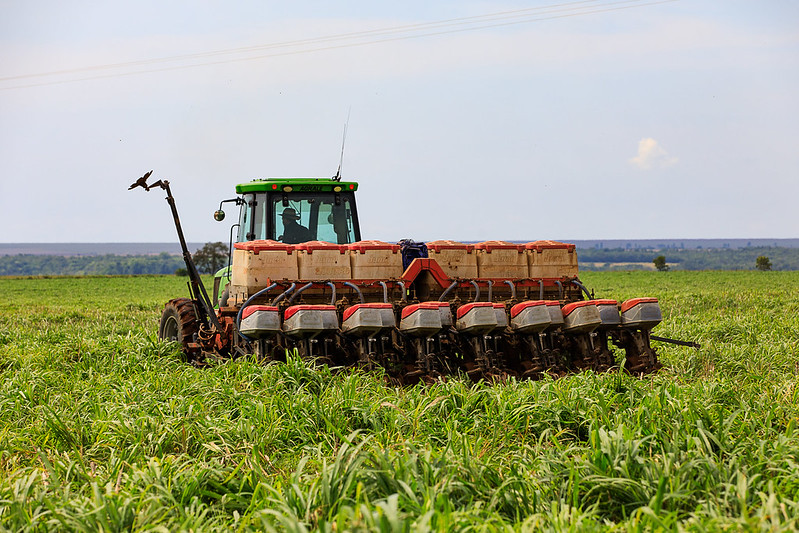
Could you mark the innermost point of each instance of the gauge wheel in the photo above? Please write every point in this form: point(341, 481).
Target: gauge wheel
point(179, 322)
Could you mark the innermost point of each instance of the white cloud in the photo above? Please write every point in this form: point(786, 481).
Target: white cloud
point(651, 155)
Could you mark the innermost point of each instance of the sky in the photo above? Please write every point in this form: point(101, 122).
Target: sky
point(466, 120)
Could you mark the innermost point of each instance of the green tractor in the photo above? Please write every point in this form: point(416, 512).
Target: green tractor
point(300, 278)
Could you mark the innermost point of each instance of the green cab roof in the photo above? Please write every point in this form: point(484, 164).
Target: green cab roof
point(296, 185)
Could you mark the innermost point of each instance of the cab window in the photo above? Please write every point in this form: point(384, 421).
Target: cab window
point(296, 217)
point(313, 217)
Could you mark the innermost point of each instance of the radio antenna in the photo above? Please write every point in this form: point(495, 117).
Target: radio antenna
point(337, 177)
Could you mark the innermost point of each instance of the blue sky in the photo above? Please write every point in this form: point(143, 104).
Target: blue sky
point(661, 120)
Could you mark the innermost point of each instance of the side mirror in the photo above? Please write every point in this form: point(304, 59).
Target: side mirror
point(219, 215)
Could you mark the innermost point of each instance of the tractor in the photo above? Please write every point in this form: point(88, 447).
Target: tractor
point(300, 279)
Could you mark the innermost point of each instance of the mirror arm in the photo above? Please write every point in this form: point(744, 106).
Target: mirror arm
point(219, 215)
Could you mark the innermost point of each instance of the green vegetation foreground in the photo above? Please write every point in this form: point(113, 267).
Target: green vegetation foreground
point(102, 428)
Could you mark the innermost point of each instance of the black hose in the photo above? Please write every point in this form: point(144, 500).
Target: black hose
point(560, 289)
point(299, 291)
point(512, 289)
point(404, 294)
point(230, 249)
point(447, 291)
point(284, 294)
point(476, 290)
point(582, 288)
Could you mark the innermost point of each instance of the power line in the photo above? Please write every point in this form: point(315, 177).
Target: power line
point(327, 38)
point(344, 40)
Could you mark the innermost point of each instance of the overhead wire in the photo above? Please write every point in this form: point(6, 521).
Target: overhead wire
point(326, 38)
point(377, 36)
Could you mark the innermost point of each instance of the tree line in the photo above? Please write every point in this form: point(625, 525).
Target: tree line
point(57, 265)
point(704, 259)
point(208, 259)
point(213, 256)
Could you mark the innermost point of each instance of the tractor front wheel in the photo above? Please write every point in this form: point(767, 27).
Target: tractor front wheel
point(179, 323)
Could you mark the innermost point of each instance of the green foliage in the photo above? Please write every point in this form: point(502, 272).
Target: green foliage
point(590, 259)
point(103, 429)
point(763, 263)
point(660, 263)
point(101, 265)
point(211, 257)
point(685, 259)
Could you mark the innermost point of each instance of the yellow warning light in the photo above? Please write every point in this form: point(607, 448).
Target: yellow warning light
point(337, 188)
point(287, 188)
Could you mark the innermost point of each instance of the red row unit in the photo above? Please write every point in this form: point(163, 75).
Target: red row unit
point(428, 318)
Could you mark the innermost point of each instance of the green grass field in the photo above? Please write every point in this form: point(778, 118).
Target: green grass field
point(103, 429)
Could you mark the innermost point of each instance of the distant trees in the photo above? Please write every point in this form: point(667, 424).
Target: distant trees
point(211, 257)
point(781, 258)
point(773, 258)
point(88, 265)
point(660, 263)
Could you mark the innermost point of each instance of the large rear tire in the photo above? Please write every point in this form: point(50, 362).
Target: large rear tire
point(179, 323)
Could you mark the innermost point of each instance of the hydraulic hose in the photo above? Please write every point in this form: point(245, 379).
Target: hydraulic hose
point(446, 291)
point(582, 288)
point(385, 291)
point(299, 291)
point(230, 249)
point(512, 289)
point(284, 294)
point(476, 289)
point(490, 290)
point(333, 287)
point(540, 289)
point(560, 289)
point(404, 294)
point(250, 299)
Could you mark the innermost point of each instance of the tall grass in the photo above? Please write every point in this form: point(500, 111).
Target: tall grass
point(103, 429)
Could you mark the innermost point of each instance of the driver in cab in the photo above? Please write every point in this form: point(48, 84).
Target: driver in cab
point(293, 231)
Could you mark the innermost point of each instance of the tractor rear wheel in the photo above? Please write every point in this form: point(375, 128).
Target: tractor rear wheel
point(179, 323)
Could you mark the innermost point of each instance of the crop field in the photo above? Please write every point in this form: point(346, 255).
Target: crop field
point(102, 428)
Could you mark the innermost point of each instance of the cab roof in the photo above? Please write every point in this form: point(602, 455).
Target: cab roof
point(296, 185)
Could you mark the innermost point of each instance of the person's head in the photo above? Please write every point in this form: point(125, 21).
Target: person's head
point(289, 214)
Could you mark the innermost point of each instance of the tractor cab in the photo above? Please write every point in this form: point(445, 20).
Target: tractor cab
point(292, 211)
point(296, 210)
